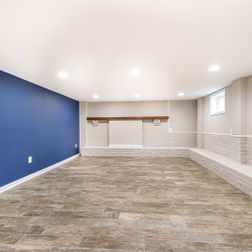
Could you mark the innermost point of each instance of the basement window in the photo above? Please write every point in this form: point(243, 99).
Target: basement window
point(218, 102)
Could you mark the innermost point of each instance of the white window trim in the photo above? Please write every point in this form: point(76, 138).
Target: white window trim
point(225, 106)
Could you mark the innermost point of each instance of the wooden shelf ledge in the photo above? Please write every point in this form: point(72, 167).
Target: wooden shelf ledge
point(121, 118)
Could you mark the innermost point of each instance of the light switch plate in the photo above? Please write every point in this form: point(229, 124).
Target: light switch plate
point(29, 159)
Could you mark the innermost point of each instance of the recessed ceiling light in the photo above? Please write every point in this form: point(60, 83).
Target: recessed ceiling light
point(181, 94)
point(96, 96)
point(135, 72)
point(214, 68)
point(137, 96)
point(63, 75)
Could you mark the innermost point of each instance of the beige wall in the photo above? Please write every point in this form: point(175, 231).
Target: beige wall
point(200, 115)
point(189, 124)
point(238, 107)
point(97, 135)
point(228, 134)
point(182, 122)
point(234, 121)
point(83, 123)
point(127, 108)
point(216, 123)
point(183, 116)
point(249, 105)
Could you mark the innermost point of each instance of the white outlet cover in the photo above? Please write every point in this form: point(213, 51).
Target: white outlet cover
point(76, 146)
point(170, 130)
point(29, 159)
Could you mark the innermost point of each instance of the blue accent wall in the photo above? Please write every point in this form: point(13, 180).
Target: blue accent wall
point(36, 122)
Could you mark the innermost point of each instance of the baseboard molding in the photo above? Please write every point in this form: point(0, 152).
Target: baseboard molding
point(35, 174)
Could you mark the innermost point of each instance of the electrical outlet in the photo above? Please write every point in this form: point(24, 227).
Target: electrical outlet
point(76, 146)
point(29, 159)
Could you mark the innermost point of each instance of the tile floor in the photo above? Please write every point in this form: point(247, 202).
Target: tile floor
point(126, 204)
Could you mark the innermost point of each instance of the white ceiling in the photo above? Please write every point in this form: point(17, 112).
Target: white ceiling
point(98, 43)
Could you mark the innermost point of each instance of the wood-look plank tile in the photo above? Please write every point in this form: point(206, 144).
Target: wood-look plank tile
point(122, 204)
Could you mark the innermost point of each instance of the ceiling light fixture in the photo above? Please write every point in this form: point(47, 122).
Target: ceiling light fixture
point(63, 75)
point(214, 68)
point(181, 94)
point(135, 72)
point(96, 96)
point(137, 96)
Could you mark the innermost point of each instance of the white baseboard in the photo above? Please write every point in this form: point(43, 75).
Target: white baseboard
point(35, 174)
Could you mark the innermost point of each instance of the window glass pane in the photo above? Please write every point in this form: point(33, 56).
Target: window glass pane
point(218, 103)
